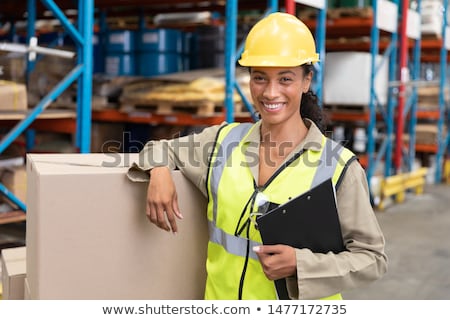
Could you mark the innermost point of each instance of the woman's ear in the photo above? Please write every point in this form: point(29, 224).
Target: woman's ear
point(307, 82)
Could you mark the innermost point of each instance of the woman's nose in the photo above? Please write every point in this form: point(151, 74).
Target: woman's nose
point(271, 90)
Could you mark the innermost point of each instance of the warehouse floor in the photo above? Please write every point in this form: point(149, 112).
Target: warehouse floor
point(417, 236)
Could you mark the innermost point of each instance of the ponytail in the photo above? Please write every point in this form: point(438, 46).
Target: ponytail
point(309, 106)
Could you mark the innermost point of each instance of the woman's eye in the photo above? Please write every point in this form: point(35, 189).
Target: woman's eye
point(285, 79)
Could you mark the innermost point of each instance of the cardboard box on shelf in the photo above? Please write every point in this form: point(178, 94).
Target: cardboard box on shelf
point(342, 87)
point(13, 273)
point(88, 236)
point(12, 66)
point(13, 96)
point(15, 179)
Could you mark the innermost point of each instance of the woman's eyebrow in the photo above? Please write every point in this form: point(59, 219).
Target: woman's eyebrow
point(279, 73)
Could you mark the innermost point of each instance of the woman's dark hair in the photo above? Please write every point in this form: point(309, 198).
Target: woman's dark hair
point(309, 107)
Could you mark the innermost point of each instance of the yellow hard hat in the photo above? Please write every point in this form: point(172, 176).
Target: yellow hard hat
point(279, 40)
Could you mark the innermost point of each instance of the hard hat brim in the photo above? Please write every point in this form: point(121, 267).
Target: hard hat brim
point(260, 61)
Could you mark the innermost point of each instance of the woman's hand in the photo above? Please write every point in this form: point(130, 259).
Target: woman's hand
point(162, 200)
point(278, 261)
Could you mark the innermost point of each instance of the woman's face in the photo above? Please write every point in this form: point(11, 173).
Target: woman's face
point(277, 92)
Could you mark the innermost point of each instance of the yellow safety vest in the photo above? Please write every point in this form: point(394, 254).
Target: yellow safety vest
point(233, 269)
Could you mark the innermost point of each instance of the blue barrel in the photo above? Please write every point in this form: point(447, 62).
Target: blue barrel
point(159, 51)
point(120, 53)
point(190, 50)
point(98, 61)
point(51, 39)
point(210, 47)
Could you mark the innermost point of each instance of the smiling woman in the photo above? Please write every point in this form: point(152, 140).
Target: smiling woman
point(282, 155)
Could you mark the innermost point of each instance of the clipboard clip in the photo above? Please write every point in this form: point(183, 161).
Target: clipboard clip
point(253, 217)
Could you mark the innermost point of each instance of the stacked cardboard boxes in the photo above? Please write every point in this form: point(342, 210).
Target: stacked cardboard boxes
point(13, 273)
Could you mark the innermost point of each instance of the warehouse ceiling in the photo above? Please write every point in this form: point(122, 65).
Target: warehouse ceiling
point(16, 10)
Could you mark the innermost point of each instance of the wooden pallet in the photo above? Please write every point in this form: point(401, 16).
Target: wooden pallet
point(346, 108)
point(163, 107)
point(97, 103)
point(12, 217)
point(338, 13)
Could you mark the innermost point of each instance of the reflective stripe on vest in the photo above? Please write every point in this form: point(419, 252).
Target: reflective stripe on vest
point(224, 246)
point(231, 140)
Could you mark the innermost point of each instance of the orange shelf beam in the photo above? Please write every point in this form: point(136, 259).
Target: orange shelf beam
point(151, 118)
point(353, 46)
point(348, 116)
point(349, 27)
point(363, 160)
point(428, 114)
point(431, 148)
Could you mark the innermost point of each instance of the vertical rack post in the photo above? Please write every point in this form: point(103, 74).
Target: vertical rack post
point(31, 8)
point(290, 6)
point(230, 57)
point(402, 89)
point(385, 149)
point(374, 48)
point(442, 147)
point(85, 57)
point(320, 40)
point(413, 110)
point(232, 54)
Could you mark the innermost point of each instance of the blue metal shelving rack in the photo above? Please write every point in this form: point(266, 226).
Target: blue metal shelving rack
point(320, 36)
point(407, 157)
point(232, 53)
point(411, 106)
point(385, 149)
point(82, 73)
point(443, 142)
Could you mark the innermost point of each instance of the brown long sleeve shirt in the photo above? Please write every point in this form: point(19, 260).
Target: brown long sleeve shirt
point(318, 275)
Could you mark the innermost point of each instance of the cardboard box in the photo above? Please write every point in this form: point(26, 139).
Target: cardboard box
point(13, 254)
point(15, 179)
point(26, 294)
point(88, 236)
point(12, 66)
point(13, 96)
point(347, 79)
point(13, 273)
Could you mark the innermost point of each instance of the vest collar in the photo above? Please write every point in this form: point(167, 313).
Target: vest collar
point(312, 141)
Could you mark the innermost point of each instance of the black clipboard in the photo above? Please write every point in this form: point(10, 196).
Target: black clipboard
point(309, 220)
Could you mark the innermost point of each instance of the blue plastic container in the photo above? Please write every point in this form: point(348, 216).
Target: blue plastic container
point(98, 62)
point(154, 63)
point(120, 64)
point(120, 41)
point(51, 39)
point(120, 53)
point(208, 49)
point(190, 50)
point(159, 51)
point(160, 40)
